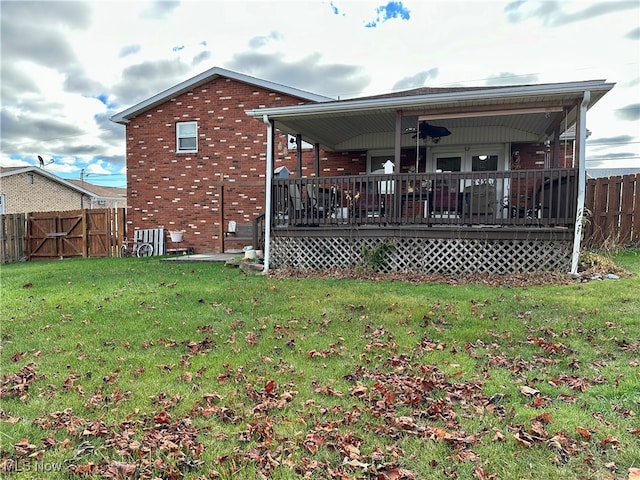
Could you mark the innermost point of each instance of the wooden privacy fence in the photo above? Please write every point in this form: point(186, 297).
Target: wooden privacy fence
point(612, 203)
point(12, 234)
point(613, 215)
point(75, 233)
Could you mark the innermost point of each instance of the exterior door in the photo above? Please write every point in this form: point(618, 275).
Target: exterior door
point(476, 161)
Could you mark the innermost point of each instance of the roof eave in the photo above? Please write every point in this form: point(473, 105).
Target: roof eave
point(125, 116)
point(400, 102)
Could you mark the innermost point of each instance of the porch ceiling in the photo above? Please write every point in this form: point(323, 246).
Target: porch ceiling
point(525, 113)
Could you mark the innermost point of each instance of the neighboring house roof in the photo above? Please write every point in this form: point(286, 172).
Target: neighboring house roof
point(205, 77)
point(85, 188)
point(420, 91)
point(100, 191)
point(603, 172)
point(8, 171)
point(534, 110)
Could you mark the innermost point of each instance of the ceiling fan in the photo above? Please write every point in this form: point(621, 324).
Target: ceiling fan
point(425, 131)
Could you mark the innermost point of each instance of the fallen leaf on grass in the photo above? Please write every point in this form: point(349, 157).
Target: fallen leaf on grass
point(481, 474)
point(270, 386)
point(313, 442)
point(528, 391)
point(23, 447)
point(634, 474)
point(395, 473)
point(16, 357)
point(610, 440)
point(120, 470)
point(586, 434)
point(326, 390)
point(520, 438)
point(88, 469)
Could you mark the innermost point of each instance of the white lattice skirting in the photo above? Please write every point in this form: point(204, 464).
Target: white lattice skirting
point(423, 255)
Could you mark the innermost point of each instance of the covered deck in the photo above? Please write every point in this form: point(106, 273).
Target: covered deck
point(438, 206)
point(428, 222)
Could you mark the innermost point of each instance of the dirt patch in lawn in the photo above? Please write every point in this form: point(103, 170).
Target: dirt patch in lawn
point(588, 271)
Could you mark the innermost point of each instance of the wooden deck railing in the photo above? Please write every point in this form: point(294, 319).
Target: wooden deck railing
point(521, 198)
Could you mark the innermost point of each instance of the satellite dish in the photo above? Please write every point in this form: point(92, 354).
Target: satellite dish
point(41, 160)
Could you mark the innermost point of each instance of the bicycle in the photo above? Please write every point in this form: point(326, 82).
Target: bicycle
point(139, 249)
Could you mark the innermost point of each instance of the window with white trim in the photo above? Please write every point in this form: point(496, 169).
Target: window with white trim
point(377, 158)
point(187, 137)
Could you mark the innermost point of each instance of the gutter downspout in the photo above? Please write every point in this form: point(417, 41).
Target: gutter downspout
point(582, 179)
point(268, 199)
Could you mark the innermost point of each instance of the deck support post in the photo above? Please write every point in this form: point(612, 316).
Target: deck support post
point(582, 179)
point(268, 192)
point(396, 160)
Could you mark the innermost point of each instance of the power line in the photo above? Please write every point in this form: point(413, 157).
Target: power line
point(613, 159)
point(598, 144)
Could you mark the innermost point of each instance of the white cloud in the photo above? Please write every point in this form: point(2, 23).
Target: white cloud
point(67, 66)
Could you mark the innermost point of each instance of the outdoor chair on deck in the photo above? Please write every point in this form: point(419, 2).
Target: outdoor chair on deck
point(317, 201)
point(369, 205)
point(443, 199)
point(297, 209)
point(524, 201)
point(479, 202)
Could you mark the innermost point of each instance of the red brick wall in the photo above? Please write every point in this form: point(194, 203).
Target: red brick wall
point(182, 191)
point(355, 163)
point(531, 155)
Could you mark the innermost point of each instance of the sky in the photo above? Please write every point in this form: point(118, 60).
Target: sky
point(67, 67)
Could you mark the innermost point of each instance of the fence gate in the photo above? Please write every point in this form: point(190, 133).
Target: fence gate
point(12, 233)
point(76, 233)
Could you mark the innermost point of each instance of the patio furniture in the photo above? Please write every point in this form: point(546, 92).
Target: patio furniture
point(556, 200)
point(524, 201)
point(369, 205)
point(443, 199)
point(479, 201)
point(239, 233)
point(298, 209)
point(154, 236)
point(318, 200)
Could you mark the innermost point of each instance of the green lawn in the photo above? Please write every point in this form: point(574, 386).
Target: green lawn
point(136, 368)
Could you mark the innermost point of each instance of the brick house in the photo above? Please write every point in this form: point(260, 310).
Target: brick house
point(196, 161)
point(499, 190)
point(33, 189)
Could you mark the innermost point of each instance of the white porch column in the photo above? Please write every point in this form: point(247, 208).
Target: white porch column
point(581, 130)
point(398, 141)
point(268, 192)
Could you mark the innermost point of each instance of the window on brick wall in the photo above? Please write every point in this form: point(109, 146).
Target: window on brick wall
point(187, 136)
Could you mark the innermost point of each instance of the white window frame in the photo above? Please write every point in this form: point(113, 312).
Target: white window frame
point(181, 135)
point(379, 153)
